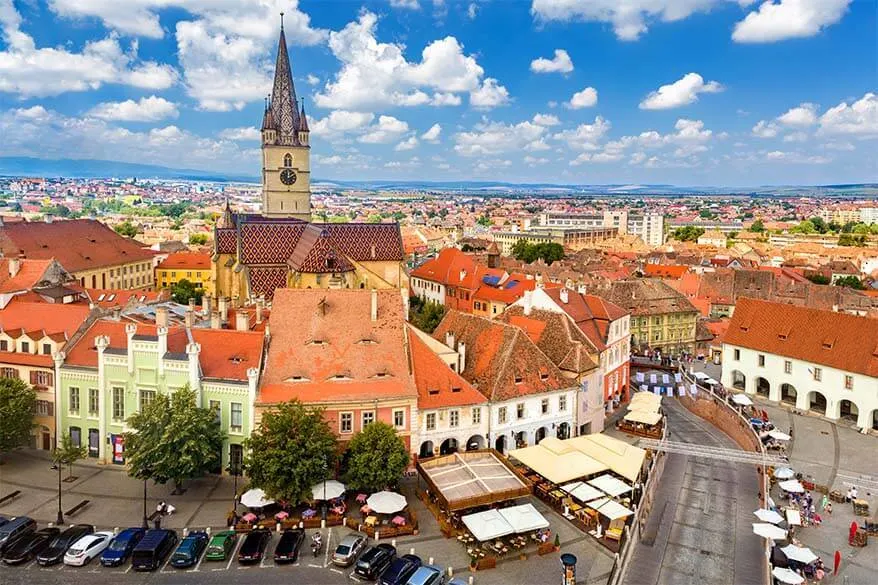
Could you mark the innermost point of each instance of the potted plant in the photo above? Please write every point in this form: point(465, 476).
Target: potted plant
point(557, 543)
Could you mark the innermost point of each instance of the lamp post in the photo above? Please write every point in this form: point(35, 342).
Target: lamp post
point(234, 469)
point(59, 520)
point(325, 469)
point(145, 519)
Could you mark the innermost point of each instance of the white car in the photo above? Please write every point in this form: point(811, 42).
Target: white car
point(86, 548)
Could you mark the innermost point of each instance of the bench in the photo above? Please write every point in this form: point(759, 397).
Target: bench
point(72, 511)
point(10, 497)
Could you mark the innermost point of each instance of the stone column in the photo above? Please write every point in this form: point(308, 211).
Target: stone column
point(101, 343)
point(252, 386)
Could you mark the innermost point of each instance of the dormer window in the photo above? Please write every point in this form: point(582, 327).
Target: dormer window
point(316, 342)
point(297, 378)
point(518, 379)
point(433, 392)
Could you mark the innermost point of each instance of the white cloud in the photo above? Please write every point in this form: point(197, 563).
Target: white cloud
point(472, 10)
point(546, 120)
point(796, 137)
point(764, 129)
point(151, 109)
point(598, 157)
point(492, 164)
point(244, 134)
point(492, 138)
point(796, 157)
point(432, 135)
point(489, 95)
point(445, 99)
point(409, 143)
point(340, 123)
point(586, 98)
point(682, 92)
point(533, 161)
point(388, 129)
point(840, 146)
point(560, 63)
point(801, 116)
point(312, 79)
point(859, 118)
point(777, 20)
point(585, 136)
point(406, 4)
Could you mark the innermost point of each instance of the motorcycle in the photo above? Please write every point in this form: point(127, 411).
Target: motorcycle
point(316, 547)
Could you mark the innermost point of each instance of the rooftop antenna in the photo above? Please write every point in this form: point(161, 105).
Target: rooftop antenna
point(281, 20)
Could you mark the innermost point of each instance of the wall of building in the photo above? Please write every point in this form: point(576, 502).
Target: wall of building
point(428, 290)
point(168, 277)
point(534, 419)
point(131, 276)
point(469, 427)
point(670, 332)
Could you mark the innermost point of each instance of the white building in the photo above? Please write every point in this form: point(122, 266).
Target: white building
point(649, 227)
point(821, 361)
point(869, 215)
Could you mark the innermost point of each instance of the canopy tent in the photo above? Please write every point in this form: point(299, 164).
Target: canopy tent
point(779, 435)
point(524, 518)
point(609, 508)
point(699, 375)
point(644, 417)
point(799, 554)
point(386, 502)
point(621, 458)
point(327, 490)
point(255, 498)
point(787, 576)
point(794, 517)
point(487, 525)
point(769, 531)
point(644, 399)
point(473, 478)
point(791, 485)
point(769, 516)
point(558, 463)
point(610, 485)
point(582, 491)
point(709, 382)
point(742, 400)
point(784, 473)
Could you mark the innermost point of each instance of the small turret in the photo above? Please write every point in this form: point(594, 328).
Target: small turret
point(303, 126)
point(269, 131)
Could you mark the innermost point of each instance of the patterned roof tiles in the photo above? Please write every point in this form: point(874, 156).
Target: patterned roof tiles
point(316, 253)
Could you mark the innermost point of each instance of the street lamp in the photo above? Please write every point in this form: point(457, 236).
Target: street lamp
point(234, 468)
point(146, 475)
point(59, 521)
point(325, 470)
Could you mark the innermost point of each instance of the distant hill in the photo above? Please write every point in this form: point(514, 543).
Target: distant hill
point(18, 166)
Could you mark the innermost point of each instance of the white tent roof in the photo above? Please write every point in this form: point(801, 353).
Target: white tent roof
point(742, 399)
point(524, 518)
point(558, 464)
point(791, 485)
point(610, 485)
point(769, 531)
point(784, 473)
point(699, 375)
point(710, 381)
point(609, 508)
point(621, 458)
point(768, 516)
point(799, 553)
point(643, 416)
point(582, 491)
point(327, 490)
point(255, 498)
point(487, 525)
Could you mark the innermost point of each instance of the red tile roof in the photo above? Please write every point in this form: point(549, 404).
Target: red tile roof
point(30, 272)
point(49, 317)
point(836, 340)
point(186, 261)
point(592, 314)
point(438, 385)
point(557, 336)
point(121, 298)
point(77, 244)
point(673, 271)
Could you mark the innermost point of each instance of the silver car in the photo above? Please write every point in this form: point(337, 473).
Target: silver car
point(348, 550)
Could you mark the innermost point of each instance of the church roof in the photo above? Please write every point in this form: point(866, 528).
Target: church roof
point(284, 106)
point(315, 252)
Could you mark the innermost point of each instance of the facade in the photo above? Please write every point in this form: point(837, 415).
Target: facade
point(92, 252)
point(572, 238)
point(117, 366)
point(648, 227)
point(191, 266)
point(815, 360)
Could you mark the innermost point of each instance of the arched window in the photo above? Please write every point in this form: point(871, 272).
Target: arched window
point(288, 160)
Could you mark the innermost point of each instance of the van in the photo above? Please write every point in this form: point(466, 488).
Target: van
point(15, 529)
point(153, 549)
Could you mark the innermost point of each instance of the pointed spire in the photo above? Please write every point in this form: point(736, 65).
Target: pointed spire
point(284, 112)
point(303, 120)
point(267, 118)
point(226, 220)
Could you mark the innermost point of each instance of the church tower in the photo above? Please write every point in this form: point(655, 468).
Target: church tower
point(286, 152)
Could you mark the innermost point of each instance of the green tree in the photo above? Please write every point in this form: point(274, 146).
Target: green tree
point(549, 252)
point(852, 240)
point(689, 233)
point(68, 453)
point(17, 403)
point(817, 278)
point(127, 229)
point(398, 215)
point(185, 290)
point(805, 227)
point(706, 214)
point(860, 228)
point(291, 450)
point(197, 239)
point(175, 209)
point(173, 439)
point(376, 459)
point(484, 221)
point(374, 218)
point(850, 281)
point(427, 315)
point(819, 224)
point(757, 226)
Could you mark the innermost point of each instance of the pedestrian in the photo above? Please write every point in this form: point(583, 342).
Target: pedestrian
point(828, 508)
point(157, 522)
point(791, 433)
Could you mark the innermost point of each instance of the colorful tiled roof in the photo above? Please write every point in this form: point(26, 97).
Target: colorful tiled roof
point(316, 253)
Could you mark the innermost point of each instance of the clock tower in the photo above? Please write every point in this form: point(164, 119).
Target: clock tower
point(286, 152)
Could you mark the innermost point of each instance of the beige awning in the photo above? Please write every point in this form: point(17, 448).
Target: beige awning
point(558, 465)
point(641, 416)
point(620, 457)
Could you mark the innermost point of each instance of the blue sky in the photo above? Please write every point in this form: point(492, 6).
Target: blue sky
point(690, 92)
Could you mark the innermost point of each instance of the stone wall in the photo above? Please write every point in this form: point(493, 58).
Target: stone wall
point(722, 417)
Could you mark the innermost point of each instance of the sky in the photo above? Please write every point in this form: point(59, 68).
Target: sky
point(685, 92)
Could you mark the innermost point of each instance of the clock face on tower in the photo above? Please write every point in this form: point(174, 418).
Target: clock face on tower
point(288, 176)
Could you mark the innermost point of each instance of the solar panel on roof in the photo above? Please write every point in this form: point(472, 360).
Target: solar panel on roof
point(491, 280)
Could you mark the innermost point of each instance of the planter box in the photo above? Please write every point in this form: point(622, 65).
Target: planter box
point(546, 548)
point(486, 563)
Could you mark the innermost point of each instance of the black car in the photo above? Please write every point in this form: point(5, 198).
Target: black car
point(189, 550)
point(253, 547)
point(400, 570)
point(15, 529)
point(54, 553)
point(287, 549)
point(374, 561)
point(26, 547)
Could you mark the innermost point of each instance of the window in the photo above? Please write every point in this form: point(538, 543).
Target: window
point(47, 349)
point(216, 407)
point(76, 436)
point(818, 374)
point(44, 408)
point(4, 345)
point(562, 403)
point(519, 410)
point(146, 396)
point(346, 422)
point(761, 360)
point(431, 421)
point(93, 401)
point(399, 419)
point(737, 355)
point(25, 347)
point(544, 406)
point(477, 416)
point(236, 419)
point(288, 160)
point(453, 418)
point(42, 379)
point(74, 400)
point(787, 367)
point(368, 418)
point(848, 382)
point(118, 403)
point(8, 373)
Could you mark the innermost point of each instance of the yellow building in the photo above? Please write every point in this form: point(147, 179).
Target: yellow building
point(191, 266)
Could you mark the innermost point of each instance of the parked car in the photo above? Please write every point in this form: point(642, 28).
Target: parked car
point(398, 572)
point(348, 549)
point(29, 545)
point(120, 548)
point(189, 550)
point(374, 561)
point(253, 547)
point(87, 548)
point(221, 545)
point(56, 550)
point(3, 520)
point(426, 575)
point(15, 529)
point(287, 549)
point(153, 549)
point(457, 581)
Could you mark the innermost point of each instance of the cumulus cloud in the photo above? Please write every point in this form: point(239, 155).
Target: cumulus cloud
point(388, 129)
point(432, 135)
point(764, 129)
point(491, 94)
point(560, 63)
point(586, 98)
point(546, 120)
point(409, 143)
point(492, 138)
point(777, 20)
point(585, 136)
point(472, 10)
point(801, 116)
point(312, 79)
point(244, 134)
point(682, 92)
point(857, 119)
point(796, 157)
point(151, 109)
point(406, 4)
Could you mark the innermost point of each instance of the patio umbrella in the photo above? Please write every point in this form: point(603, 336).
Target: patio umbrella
point(784, 473)
point(769, 516)
point(386, 502)
point(769, 531)
point(779, 435)
point(800, 554)
point(333, 489)
point(742, 399)
point(791, 485)
point(255, 498)
point(787, 576)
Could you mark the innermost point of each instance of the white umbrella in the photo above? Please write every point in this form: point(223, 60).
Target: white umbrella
point(333, 489)
point(386, 502)
point(742, 399)
point(769, 516)
point(791, 485)
point(255, 498)
point(787, 576)
point(779, 435)
point(800, 554)
point(784, 473)
point(769, 531)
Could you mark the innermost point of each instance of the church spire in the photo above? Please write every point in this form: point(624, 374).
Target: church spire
point(284, 110)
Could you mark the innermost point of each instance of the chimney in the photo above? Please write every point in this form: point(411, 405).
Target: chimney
point(462, 275)
point(215, 322)
point(242, 320)
point(449, 339)
point(14, 266)
point(581, 289)
point(528, 301)
point(162, 332)
point(236, 301)
point(405, 303)
point(161, 317)
point(564, 296)
point(374, 305)
point(259, 302)
point(224, 308)
point(207, 304)
point(461, 357)
point(190, 318)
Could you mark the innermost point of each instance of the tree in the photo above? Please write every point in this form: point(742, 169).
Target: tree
point(185, 290)
point(291, 450)
point(197, 239)
point(805, 227)
point(127, 229)
point(547, 251)
point(376, 458)
point(819, 224)
point(484, 221)
point(427, 315)
point(17, 404)
point(175, 209)
point(374, 218)
point(689, 233)
point(68, 454)
point(852, 240)
point(850, 281)
point(173, 439)
point(817, 278)
point(757, 226)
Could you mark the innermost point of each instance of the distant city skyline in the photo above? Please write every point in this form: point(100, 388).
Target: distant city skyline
point(559, 92)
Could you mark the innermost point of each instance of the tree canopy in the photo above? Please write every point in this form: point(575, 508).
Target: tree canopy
point(689, 233)
point(547, 252)
point(817, 278)
point(852, 240)
point(173, 439)
point(757, 226)
point(67, 453)
point(197, 239)
point(850, 281)
point(185, 290)
point(127, 229)
point(376, 459)
point(425, 315)
point(17, 403)
point(291, 450)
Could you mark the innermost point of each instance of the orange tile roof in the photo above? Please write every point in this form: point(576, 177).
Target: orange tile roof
point(508, 291)
point(49, 317)
point(673, 271)
point(533, 327)
point(592, 314)
point(30, 272)
point(438, 385)
point(185, 261)
point(838, 340)
point(18, 358)
point(121, 298)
